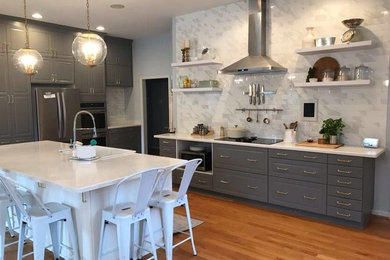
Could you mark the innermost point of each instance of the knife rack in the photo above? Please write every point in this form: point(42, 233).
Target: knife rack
point(259, 109)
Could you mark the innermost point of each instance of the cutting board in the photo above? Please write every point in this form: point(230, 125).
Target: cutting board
point(317, 145)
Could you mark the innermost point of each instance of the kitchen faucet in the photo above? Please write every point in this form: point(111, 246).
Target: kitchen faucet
point(94, 134)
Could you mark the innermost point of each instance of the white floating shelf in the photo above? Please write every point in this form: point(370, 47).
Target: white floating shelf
point(347, 83)
point(336, 48)
point(196, 90)
point(196, 63)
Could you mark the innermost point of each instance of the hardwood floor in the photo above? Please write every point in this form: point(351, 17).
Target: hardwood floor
point(237, 231)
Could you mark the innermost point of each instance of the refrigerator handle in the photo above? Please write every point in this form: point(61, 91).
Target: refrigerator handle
point(64, 115)
point(60, 119)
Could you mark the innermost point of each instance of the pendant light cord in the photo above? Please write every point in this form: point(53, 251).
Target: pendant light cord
point(88, 25)
point(25, 25)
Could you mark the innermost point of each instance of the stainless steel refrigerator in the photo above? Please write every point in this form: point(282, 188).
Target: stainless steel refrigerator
point(54, 110)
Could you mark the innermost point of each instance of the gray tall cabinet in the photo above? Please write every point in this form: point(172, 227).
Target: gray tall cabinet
point(15, 96)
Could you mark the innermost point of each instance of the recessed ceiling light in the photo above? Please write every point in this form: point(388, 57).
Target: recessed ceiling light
point(117, 6)
point(100, 28)
point(37, 16)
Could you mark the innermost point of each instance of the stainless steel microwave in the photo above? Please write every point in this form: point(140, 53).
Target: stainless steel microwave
point(205, 165)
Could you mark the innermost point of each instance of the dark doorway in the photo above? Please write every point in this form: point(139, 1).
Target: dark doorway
point(157, 112)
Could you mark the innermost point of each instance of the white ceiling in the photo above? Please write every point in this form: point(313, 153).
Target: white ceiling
point(138, 19)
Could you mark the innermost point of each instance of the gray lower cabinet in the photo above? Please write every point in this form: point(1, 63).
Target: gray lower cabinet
point(241, 184)
point(168, 148)
point(241, 158)
point(199, 180)
point(298, 155)
point(298, 194)
point(125, 138)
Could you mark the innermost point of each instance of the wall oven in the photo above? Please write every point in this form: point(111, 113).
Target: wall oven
point(98, 110)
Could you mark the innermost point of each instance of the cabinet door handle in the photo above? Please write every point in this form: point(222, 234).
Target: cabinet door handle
point(309, 157)
point(251, 160)
point(310, 172)
point(343, 203)
point(202, 181)
point(343, 215)
point(253, 187)
point(281, 192)
point(344, 172)
point(224, 182)
point(165, 142)
point(344, 161)
point(309, 198)
point(344, 193)
point(224, 156)
point(282, 154)
point(344, 182)
point(9, 99)
point(13, 99)
point(281, 169)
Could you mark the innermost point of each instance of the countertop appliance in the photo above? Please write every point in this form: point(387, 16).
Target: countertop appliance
point(54, 110)
point(253, 140)
point(257, 61)
point(205, 165)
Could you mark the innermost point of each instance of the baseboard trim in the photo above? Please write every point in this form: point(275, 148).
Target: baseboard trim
point(381, 213)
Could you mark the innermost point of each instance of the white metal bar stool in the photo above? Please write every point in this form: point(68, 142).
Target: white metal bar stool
point(167, 200)
point(126, 214)
point(6, 204)
point(41, 218)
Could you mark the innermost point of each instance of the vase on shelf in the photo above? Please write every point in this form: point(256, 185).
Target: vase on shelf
point(308, 40)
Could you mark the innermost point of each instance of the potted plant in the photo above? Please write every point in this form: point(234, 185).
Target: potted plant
point(331, 129)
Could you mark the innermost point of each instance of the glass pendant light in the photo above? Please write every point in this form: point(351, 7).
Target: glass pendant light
point(27, 60)
point(89, 48)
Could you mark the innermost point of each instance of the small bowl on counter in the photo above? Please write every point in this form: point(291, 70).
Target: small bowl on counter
point(325, 41)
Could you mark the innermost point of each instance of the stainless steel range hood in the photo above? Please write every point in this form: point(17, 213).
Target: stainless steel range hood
point(257, 61)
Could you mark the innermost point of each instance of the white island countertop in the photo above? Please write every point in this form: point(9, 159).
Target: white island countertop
point(343, 150)
point(43, 162)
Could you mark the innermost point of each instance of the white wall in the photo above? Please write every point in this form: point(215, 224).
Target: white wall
point(152, 57)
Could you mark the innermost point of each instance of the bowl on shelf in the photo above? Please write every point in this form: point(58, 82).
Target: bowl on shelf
point(325, 41)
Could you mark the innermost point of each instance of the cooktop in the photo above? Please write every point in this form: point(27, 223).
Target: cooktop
point(252, 139)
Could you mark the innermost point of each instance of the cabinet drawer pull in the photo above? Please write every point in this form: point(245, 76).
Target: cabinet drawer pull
point(309, 157)
point(202, 181)
point(281, 192)
point(343, 215)
point(224, 182)
point(281, 169)
point(344, 172)
point(251, 160)
point(344, 182)
point(165, 142)
point(310, 172)
point(282, 154)
point(309, 198)
point(344, 193)
point(345, 161)
point(343, 203)
point(224, 156)
point(253, 187)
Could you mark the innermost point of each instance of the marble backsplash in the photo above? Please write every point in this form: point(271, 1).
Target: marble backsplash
point(226, 28)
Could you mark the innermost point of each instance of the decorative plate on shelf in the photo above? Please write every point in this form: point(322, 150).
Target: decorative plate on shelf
point(326, 63)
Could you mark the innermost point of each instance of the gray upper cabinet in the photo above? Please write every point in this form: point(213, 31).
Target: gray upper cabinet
point(18, 83)
point(40, 39)
point(44, 74)
point(55, 70)
point(16, 36)
point(61, 43)
point(3, 74)
point(90, 82)
point(119, 71)
point(3, 40)
point(5, 122)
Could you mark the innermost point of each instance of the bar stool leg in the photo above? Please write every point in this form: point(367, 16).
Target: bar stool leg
point(72, 235)
point(151, 234)
point(39, 231)
point(167, 216)
point(3, 219)
point(55, 239)
point(190, 225)
point(10, 223)
point(22, 235)
point(123, 234)
point(101, 240)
